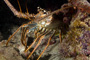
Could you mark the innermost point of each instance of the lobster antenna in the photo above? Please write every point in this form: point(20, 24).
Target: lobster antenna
point(26, 7)
point(19, 6)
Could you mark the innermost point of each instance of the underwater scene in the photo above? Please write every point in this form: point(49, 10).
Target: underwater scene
point(44, 30)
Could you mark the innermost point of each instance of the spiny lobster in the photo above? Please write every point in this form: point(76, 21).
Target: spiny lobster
point(43, 22)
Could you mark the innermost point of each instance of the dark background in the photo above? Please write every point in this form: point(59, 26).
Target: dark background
point(8, 20)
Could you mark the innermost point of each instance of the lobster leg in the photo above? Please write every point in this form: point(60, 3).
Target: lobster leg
point(16, 32)
point(33, 43)
point(46, 45)
point(23, 35)
point(41, 36)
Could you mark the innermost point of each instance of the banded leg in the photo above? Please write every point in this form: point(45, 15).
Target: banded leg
point(34, 42)
point(15, 32)
point(23, 34)
point(41, 37)
point(36, 33)
point(12, 35)
point(23, 37)
point(46, 45)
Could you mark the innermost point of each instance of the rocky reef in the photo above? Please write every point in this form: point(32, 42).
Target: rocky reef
point(75, 37)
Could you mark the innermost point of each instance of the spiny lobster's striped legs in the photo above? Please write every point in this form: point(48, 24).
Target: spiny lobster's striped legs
point(46, 45)
point(36, 32)
point(16, 32)
point(25, 39)
point(12, 35)
point(23, 36)
point(35, 39)
point(33, 43)
point(36, 46)
point(40, 37)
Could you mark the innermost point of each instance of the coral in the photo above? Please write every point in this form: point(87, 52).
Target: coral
point(77, 40)
point(71, 23)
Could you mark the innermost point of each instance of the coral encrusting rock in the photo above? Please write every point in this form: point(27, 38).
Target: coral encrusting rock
point(75, 43)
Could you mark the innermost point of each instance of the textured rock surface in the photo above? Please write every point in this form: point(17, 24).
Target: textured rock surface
point(75, 43)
